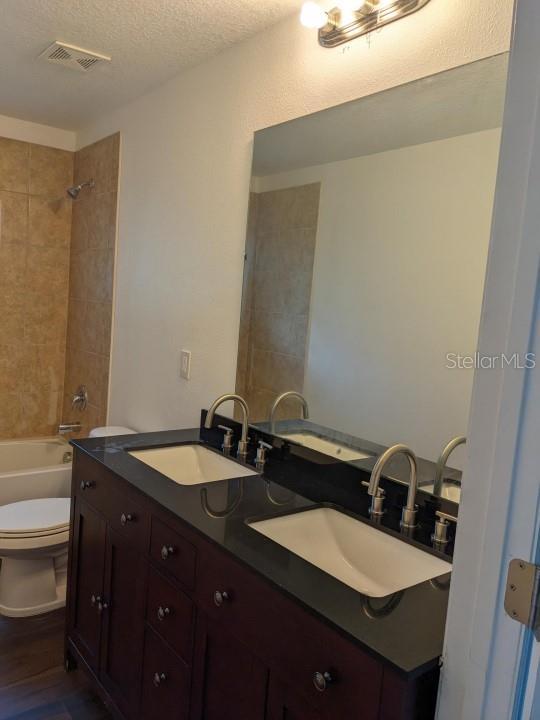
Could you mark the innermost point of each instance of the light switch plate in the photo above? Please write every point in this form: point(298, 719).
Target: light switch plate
point(185, 364)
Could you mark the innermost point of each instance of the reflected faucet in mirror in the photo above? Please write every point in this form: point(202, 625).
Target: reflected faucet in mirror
point(284, 396)
point(443, 459)
point(241, 453)
point(408, 516)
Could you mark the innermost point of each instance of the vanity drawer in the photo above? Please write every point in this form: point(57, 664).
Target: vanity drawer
point(233, 596)
point(92, 482)
point(166, 682)
point(171, 613)
point(130, 519)
point(172, 552)
point(308, 647)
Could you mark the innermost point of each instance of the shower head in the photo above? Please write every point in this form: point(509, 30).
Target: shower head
point(74, 190)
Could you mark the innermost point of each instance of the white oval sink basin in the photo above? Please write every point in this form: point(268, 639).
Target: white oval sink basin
point(450, 491)
point(358, 554)
point(191, 464)
point(326, 446)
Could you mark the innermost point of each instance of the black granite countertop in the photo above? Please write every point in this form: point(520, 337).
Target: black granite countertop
point(405, 629)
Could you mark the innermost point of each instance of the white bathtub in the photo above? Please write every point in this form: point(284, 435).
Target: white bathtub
point(34, 469)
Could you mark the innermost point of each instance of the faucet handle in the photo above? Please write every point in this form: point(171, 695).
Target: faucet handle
point(440, 536)
point(227, 439)
point(260, 458)
point(377, 502)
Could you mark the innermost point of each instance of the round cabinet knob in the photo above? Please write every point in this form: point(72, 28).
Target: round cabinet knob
point(125, 518)
point(95, 599)
point(166, 551)
point(322, 680)
point(158, 679)
point(220, 597)
point(163, 612)
point(85, 484)
point(102, 605)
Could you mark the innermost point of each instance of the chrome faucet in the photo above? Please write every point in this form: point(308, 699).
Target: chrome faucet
point(243, 443)
point(443, 459)
point(284, 396)
point(408, 515)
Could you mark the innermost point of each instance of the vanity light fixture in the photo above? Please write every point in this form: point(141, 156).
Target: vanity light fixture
point(354, 18)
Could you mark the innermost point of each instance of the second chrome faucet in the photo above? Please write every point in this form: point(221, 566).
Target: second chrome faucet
point(408, 515)
point(244, 440)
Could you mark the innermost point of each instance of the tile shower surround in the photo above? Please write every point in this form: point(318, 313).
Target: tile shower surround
point(37, 340)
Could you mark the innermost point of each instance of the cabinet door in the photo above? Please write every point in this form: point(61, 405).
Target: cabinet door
point(285, 704)
point(166, 682)
point(86, 581)
point(230, 682)
point(123, 621)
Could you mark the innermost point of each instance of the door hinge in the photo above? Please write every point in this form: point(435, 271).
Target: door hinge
point(522, 596)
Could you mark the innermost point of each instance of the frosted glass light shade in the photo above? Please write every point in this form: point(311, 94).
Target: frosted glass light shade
point(312, 15)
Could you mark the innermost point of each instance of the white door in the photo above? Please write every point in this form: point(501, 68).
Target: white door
point(491, 662)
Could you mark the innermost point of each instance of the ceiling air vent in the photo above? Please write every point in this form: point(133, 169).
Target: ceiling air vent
point(73, 57)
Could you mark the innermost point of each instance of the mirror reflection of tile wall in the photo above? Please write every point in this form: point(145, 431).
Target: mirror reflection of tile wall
point(280, 250)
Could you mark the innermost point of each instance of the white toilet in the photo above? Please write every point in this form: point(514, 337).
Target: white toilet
point(34, 536)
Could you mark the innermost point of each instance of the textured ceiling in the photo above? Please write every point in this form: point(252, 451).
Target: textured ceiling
point(150, 41)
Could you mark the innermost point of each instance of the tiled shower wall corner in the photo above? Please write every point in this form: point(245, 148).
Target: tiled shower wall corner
point(93, 239)
point(280, 251)
point(35, 226)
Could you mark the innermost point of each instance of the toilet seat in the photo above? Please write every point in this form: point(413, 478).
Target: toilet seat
point(37, 518)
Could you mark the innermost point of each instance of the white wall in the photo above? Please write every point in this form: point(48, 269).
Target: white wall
point(31, 132)
point(398, 279)
point(186, 155)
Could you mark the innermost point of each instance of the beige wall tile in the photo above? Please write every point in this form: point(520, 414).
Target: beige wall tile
point(101, 274)
point(43, 366)
point(41, 411)
point(51, 171)
point(44, 321)
point(11, 417)
point(13, 217)
point(98, 319)
point(49, 222)
point(14, 165)
point(12, 320)
point(279, 332)
point(101, 223)
point(79, 220)
point(47, 273)
point(275, 372)
point(12, 269)
point(12, 360)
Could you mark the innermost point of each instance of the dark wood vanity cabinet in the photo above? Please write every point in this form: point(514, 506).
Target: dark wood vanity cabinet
point(172, 627)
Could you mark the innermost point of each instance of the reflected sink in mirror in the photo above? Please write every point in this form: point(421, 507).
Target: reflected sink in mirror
point(192, 464)
point(450, 491)
point(359, 555)
point(326, 446)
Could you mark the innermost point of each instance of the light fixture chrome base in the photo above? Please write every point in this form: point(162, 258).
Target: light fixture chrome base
point(337, 32)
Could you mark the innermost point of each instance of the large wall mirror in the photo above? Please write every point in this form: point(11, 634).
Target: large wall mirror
point(366, 251)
